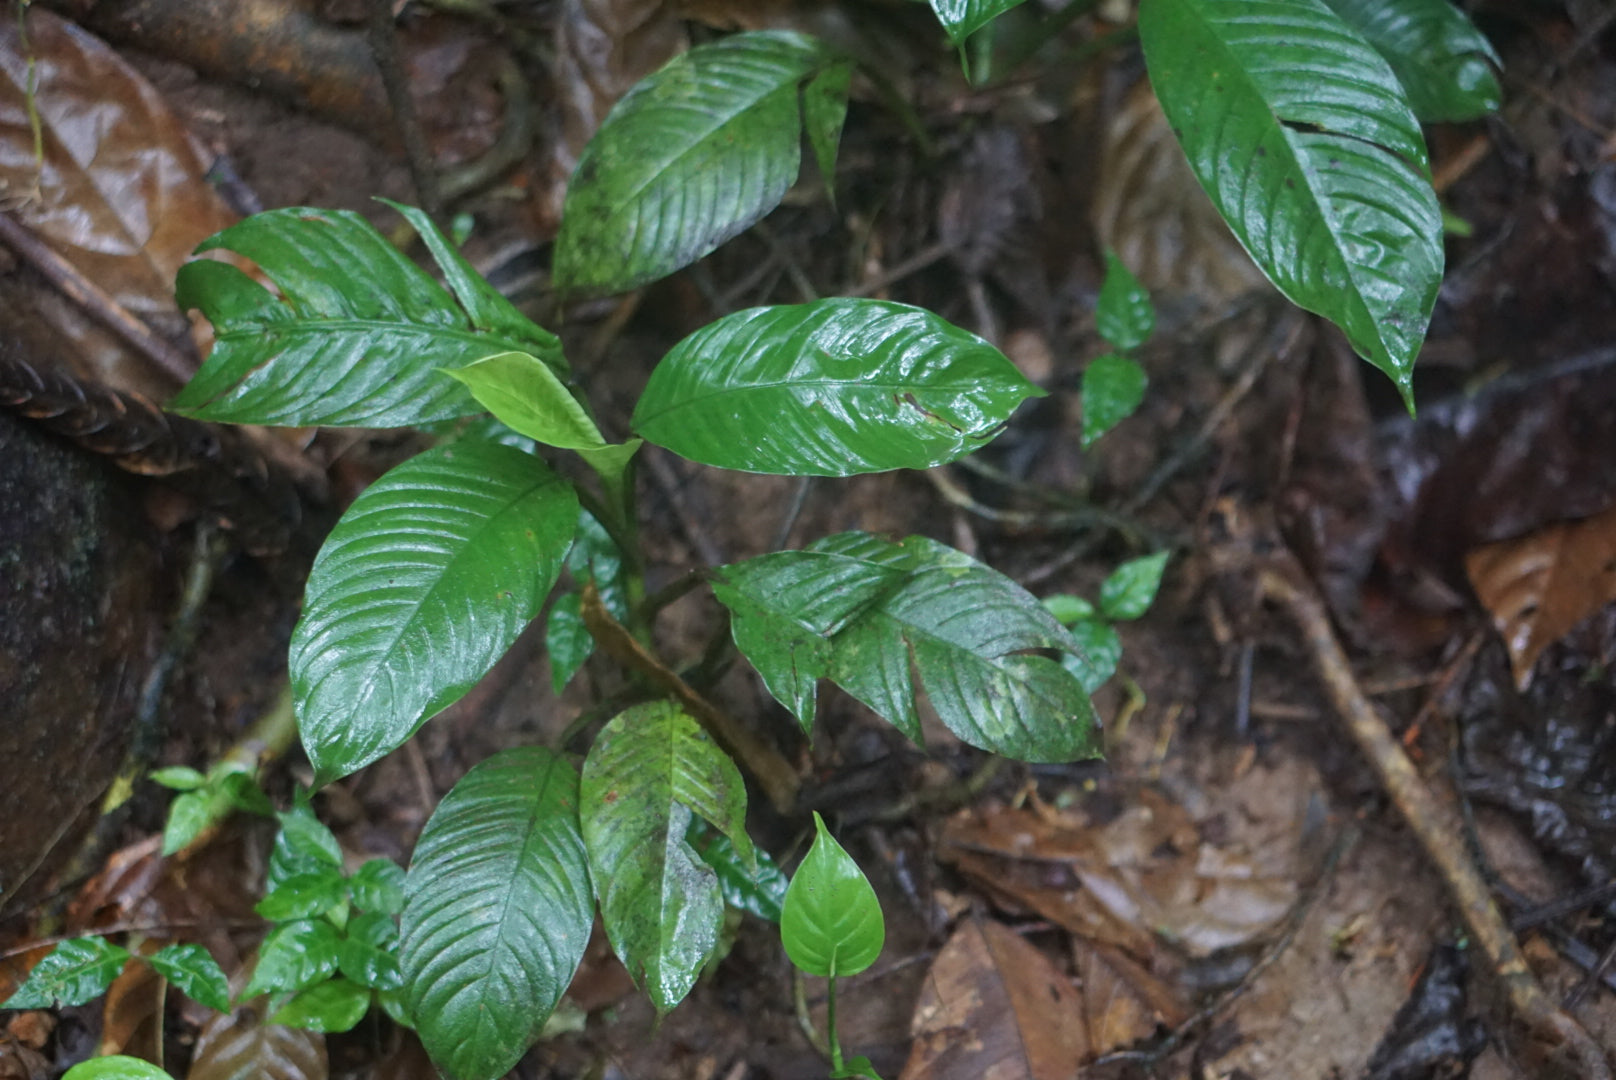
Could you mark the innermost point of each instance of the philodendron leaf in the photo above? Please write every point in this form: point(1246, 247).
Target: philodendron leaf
point(962, 18)
point(1124, 315)
point(357, 334)
point(115, 1067)
point(195, 972)
point(866, 612)
point(1128, 592)
point(692, 155)
point(1443, 61)
point(497, 912)
point(831, 388)
point(831, 922)
point(423, 584)
point(76, 971)
point(1113, 387)
point(1302, 136)
point(652, 768)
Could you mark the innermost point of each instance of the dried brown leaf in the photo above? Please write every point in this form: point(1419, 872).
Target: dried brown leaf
point(120, 192)
point(995, 1007)
point(1150, 210)
point(132, 1014)
point(1541, 585)
point(1122, 1002)
point(239, 1046)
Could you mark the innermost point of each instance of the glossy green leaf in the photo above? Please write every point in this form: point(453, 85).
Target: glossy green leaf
point(831, 923)
point(378, 886)
point(758, 890)
point(594, 557)
point(567, 640)
point(831, 388)
point(1124, 315)
point(195, 972)
point(329, 1007)
point(188, 815)
point(689, 157)
point(1113, 387)
point(394, 1005)
point(179, 778)
point(295, 956)
point(424, 583)
point(115, 1067)
point(302, 846)
point(1302, 136)
point(497, 912)
point(651, 769)
point(242, 792)
point(1445, 64)
point(357, 334)
point(1100, 655)
point(304, 896)
point(524, 393)
point(369, 952)
point(867, 613)
point(1129, 591)
point(76, 971)
point(962, 18)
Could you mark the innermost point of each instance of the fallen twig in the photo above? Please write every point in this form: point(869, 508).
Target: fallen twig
point(1434, 823)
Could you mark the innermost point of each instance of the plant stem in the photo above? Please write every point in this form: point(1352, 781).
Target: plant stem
point(834, 1039)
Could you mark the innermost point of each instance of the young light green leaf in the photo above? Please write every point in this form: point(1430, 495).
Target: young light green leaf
point(242, 792)
point(497, 912)
point(1124, 315)
point(759, 891)
point(197, 974)
point(567, 640)
point(1302, 136)
point(1067, 608)
point(115, 1067)
point(1442, 60)
point(856, 1066)
point(295, 956)
point(76, 971)
point(831, 388)
point(689, 157)
point(179, 778)
point(885, 610)
point(962, 18)
point(423, 584)
point(831, 922)
point(304, 895)
point(652, 767)
point(333, 1006)
point(188, 815)
point(369, 952)
point(1101, 653)
point(524, 393)
point(1128, 592)
point(378, 886)
point(356, 337)
point(1113, 387)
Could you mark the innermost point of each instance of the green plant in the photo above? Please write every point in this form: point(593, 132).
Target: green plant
point(1301, 132)
point(831, 926)
point(1124, 596)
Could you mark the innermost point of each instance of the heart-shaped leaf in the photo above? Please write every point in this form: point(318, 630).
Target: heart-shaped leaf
point(1113, 387)
point(689, 157)
point(356, 336)
point(831, 922)
point(1124, 315)
point(652, 768)
point(423, 584)
point(885, 610)
point(1442, 60)
point(962, 18)
point(497, 912)
point(1304, 139)
point(831, 388)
